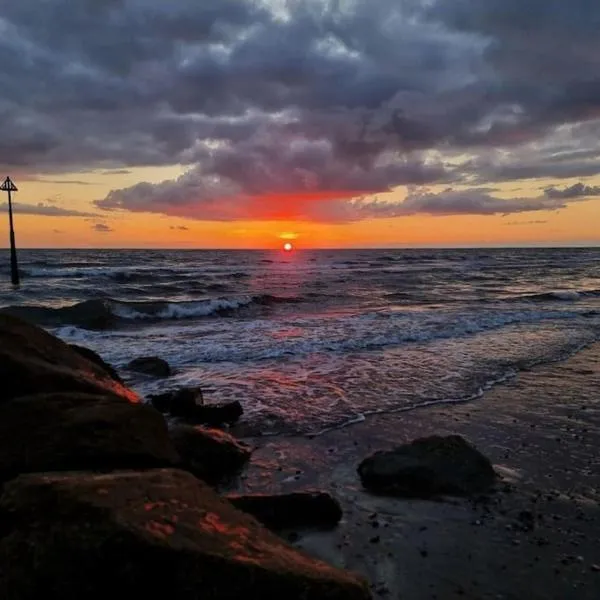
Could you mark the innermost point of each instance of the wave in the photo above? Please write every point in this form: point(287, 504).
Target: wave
point(79, 272)
point(560, 296)
point(107, 313)
point(255, 340)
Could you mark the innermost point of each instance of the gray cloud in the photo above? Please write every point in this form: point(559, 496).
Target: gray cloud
point(517, 223)
point(459, 202)
point(578, 190)
point(170, 198)
point(68, 182)
point(315, 98)
point(102, 228)
point(43, 210)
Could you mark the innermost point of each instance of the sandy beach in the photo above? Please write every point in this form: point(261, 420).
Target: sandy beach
point(536, 537)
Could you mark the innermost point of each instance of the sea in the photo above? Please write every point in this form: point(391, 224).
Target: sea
point(313, 340)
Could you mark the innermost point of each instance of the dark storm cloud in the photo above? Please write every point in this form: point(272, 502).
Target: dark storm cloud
point(43, 210)
point(102, 228)
point(316, 97)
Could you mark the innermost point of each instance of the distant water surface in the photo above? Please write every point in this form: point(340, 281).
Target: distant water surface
point(317, 339)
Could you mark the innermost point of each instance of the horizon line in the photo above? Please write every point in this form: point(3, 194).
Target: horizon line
point(548, 246)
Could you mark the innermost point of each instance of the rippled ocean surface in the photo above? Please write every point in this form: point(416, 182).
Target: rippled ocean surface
point(312, 340)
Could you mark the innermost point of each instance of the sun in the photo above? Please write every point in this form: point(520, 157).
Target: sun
point(288, 247)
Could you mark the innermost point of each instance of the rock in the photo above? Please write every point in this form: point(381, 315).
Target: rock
point(179, 403)
point(34, 362)
point(70, 431)
point(96, 359)
point(210, 454)
point(217, 415)
point(428, 467)
point(291, 511)
point(187, 403)
point(156, 534)
point(150, 365)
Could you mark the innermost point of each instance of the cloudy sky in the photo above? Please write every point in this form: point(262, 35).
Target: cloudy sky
point(239, 123)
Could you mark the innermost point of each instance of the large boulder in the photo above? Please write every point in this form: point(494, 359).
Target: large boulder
point(291, 511)
point(98, 360)
point(150, 365)
point(70, 431)
point(210, 454)
point(34, 362)
point(154, 534)
point(428, 467)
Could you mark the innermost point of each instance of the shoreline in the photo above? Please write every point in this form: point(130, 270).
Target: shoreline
point(541, 429)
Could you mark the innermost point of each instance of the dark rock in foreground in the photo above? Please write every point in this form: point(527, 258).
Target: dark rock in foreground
point(96, 359)
point(291, 511)
point(34, 362)
point(218, 414)
point(179, 403)
point(210, 454)
point(188, 404)
point(157, 534)
point(428, 467)
point(61, 432)
point(150, 365)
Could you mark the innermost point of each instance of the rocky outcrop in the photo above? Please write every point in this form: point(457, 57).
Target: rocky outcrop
point(35, 362)
point(70, 431)
point(96, 359)
point(291, 511)
point(151, 365)
point(210, 454)
point(156, 534)
point(428, 467)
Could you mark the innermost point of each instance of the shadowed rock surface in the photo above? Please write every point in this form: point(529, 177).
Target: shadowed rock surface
point(96, 359)
point(210, 454)
point(157, 534)
point(188, 404)
point(179, 403)
point(69, 431)
point(151, 365)
point(290, 511)
point(428, 467)
point(218, 414)
point(34, 362)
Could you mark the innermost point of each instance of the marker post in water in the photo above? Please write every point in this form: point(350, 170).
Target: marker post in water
point(8, 186)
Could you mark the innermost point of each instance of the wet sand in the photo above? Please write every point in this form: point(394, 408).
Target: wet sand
point(536, 537)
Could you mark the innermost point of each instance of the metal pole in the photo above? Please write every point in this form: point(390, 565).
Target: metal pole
point(14, 267)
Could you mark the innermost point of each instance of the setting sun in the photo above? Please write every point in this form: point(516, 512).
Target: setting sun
point(288, 247)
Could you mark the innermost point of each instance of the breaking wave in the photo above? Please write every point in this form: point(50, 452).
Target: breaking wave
point(105, 313)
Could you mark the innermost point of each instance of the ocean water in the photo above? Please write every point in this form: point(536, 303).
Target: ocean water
point(314, 340)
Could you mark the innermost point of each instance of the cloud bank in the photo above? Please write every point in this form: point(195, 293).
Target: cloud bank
point(302, 108)
point(44, 210)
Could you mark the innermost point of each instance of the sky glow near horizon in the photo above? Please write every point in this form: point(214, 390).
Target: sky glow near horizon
point(246, 124)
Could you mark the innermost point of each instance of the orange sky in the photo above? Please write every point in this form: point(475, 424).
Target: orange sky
point(577, 224)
